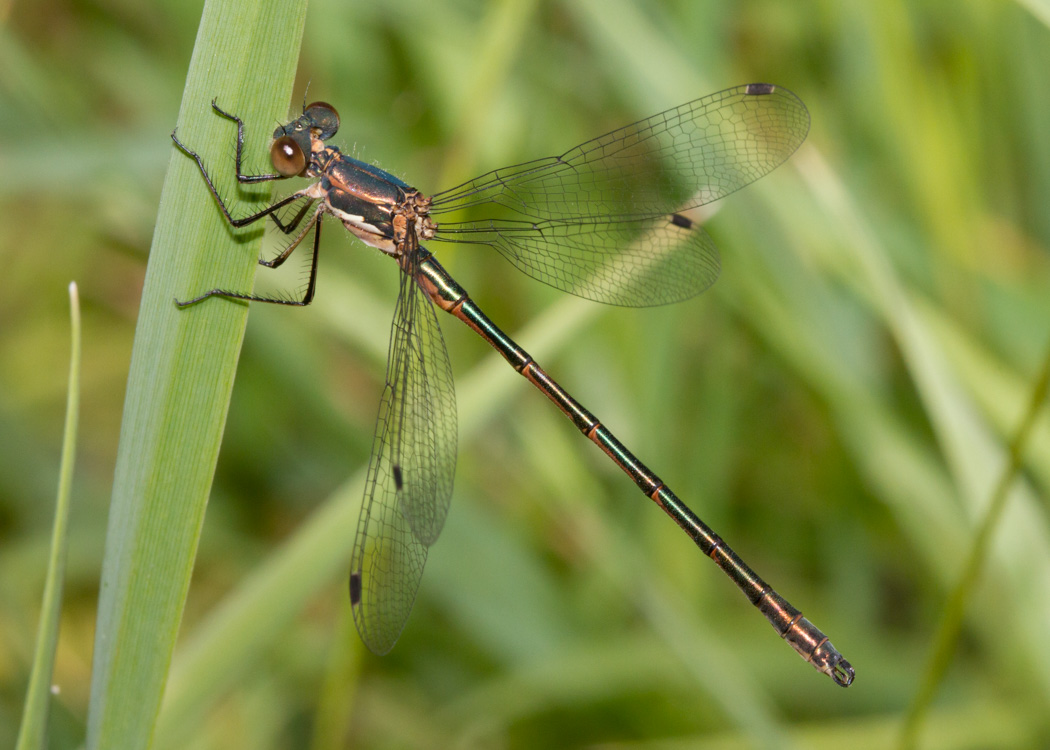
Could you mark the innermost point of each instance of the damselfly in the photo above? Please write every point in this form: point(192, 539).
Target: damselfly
point(605, 220)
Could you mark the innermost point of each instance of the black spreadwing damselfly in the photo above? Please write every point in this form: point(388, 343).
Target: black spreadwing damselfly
point(605, 220)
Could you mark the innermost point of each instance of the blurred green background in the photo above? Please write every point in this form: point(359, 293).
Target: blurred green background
point(836, 407)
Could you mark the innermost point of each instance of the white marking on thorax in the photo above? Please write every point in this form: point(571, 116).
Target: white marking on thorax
point(367, 233)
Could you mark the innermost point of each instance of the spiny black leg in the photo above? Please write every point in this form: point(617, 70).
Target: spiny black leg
point(280, 259)
point(222, 204)
point(310, 288)
point(243, 178)
point(290, 226)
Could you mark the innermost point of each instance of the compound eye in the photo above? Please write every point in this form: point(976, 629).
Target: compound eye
point(324, 118)
point(288, 159)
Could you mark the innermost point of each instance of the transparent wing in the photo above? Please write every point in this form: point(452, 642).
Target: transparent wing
point(637, 262)
point(410, 473)
point(590, 220)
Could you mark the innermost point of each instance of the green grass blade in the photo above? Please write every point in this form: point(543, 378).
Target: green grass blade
point(33, 732)
point(183, 365)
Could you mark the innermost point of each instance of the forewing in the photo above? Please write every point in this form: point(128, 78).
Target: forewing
point(618, 199)
point(410, 473)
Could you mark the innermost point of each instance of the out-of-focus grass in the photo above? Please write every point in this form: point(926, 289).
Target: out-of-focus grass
point(837, 406)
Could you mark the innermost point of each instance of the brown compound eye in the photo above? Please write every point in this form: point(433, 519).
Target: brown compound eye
point(288, 159)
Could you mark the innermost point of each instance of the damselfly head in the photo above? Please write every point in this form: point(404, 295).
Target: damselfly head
point(292, 142)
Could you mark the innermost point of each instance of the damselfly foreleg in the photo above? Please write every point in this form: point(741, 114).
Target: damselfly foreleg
point(247, 179)
point(245, 221)
point(313, 223)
